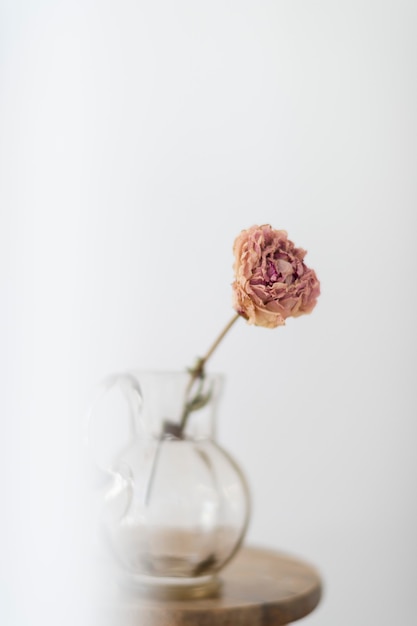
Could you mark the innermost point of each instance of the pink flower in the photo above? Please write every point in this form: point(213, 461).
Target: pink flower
point(272, 281)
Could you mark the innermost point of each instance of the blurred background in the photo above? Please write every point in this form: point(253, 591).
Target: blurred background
point(137, 139)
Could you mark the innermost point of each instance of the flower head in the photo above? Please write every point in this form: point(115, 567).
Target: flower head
point(272, 281)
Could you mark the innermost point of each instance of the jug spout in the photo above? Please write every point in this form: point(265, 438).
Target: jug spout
point(113, 419)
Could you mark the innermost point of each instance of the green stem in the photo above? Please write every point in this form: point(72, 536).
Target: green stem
point(198, 372)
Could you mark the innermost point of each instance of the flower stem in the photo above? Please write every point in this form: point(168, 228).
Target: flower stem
point(198, 372)
point(190, 404)
point(218, 340)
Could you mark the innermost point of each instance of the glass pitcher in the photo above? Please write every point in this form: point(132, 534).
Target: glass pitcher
point(177, 505)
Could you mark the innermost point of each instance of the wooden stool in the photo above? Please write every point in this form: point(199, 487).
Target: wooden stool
point(260, 588)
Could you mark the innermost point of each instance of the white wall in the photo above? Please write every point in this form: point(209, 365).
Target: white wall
point(136, 140)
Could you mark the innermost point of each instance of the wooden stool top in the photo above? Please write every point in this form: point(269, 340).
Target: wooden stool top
point(260, 588)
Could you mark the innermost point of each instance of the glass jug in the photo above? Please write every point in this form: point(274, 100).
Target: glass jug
point(177, 505)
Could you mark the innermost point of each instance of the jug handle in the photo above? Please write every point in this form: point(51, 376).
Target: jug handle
point(133, 395)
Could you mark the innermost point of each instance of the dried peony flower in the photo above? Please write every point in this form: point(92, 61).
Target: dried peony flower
point(272, 281)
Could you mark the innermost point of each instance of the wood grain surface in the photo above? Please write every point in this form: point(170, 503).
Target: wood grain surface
point(259, 588)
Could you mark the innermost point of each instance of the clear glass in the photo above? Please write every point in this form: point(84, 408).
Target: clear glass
point(177, 508)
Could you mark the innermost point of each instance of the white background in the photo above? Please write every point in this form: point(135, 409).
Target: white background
point(136, 140)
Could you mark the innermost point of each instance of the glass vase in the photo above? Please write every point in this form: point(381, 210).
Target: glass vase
point(177, 505)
